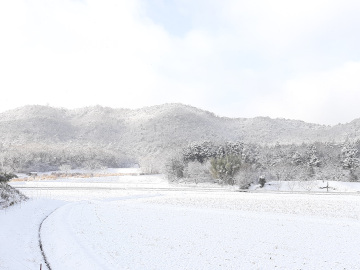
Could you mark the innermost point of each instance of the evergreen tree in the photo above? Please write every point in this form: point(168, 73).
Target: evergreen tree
point(349, 156)
point(350, 160)
point(225, 168)
point(199, 151)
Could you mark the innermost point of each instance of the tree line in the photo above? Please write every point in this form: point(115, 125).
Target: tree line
point(243, 164)
point(41, 157)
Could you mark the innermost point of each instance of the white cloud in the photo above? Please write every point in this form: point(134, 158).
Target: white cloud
point(327, 97)
point(241, 58)
point(281, 22)
point(76, 54)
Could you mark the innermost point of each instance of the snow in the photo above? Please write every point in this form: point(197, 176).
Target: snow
point(19, 233)
point(85, 171)
point(78, 189)
point(9, 196)
point(313, 186)
point(132, 234)
point(143, 222)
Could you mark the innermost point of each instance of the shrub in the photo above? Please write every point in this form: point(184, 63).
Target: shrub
point(197, 172)
point(9, 195)
point(5, 177)
point(353, 175)
point(225, 168)
point(245, 177)
point(174, 169)
point(149, 166)
point(65, 168)
point(262, 181)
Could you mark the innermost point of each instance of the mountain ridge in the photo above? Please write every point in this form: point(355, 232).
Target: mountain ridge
point(36, 137)
point(162, 107)
point(159, 125)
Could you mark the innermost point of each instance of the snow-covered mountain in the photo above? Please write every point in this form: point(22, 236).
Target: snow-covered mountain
point(166, 124)
point(39, 135)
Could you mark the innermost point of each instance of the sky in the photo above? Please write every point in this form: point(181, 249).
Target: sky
point(236, 58)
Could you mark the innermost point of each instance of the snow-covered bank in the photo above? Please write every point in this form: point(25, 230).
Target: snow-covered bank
point(85, 171)
point(160, 181)
point(95, 188)
point(10, 196)
point(310, 186)
point(19, 234)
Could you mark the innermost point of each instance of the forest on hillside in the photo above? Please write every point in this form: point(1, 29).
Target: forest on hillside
point(42, 138)
point(42, 157)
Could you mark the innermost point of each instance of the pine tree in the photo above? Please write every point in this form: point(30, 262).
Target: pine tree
point(350, 160)
point(225, 168)
point(349, 157)
point(312, 157)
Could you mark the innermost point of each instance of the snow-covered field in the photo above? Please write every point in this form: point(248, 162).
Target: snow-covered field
point(19, 233)
point(142, 222)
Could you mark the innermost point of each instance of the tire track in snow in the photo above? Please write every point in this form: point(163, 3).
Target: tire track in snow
point(65, 242)
point(40, 242)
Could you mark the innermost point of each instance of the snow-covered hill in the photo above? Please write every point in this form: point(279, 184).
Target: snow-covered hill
point(151, 132)
point(157, 124)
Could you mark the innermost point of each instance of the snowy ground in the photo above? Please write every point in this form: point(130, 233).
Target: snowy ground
point(19, 233)
point(310, 186)
point(84, 171)
point(142, 222)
